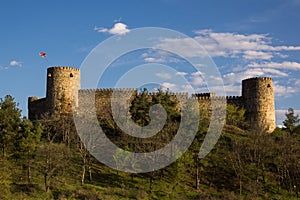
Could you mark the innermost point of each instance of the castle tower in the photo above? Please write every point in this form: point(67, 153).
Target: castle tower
point(63, 84)
point(258, 95)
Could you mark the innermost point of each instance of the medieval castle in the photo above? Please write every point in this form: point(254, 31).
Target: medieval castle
point(63, 92)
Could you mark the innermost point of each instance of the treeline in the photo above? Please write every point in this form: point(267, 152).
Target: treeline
point(45, 159)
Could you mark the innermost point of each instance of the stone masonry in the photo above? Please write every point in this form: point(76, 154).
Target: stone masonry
point(64, 94)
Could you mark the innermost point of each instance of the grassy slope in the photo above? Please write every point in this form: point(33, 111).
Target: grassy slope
point(169, 183)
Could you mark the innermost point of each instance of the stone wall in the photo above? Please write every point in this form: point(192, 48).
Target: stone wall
point(64, 95)
point(100, 99)
point(37, 108)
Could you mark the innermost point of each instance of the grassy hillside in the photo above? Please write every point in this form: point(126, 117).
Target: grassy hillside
point(46, 160)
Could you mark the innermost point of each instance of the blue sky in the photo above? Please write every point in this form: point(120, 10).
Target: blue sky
point(244, 38)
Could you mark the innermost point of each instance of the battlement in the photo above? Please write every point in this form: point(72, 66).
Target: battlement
point(62, 68)
point(206, 96)
point(258, 78)
point(234, 97)
point(106, 90)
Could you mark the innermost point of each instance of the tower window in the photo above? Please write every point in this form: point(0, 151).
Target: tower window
point(268, 86)
point(71, 75)
point(49, 75)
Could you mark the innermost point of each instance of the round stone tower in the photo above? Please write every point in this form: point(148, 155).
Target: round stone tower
point(63, 84)
point(258, 95)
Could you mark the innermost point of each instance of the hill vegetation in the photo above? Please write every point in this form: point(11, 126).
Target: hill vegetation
point(45, 159)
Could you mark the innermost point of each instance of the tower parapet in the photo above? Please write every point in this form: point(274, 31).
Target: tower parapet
point(258, 95)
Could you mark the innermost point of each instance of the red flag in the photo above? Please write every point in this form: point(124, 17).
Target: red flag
point(43, 54)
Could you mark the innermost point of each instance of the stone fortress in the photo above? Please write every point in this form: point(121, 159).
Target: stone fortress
point(63, 93)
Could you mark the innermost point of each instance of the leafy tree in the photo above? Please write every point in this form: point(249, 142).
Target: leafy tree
point(291, 121)
point(235, 115)
point(9, 122)
point(169, 102)
point(143, 101)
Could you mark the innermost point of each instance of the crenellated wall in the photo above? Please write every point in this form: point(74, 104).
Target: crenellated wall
point(102, 99)
point(64, 95)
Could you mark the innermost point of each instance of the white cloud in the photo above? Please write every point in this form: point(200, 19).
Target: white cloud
point(254, 55)
point(215, 79)
point(284, 91)
point(198, 80)
point(164, 75)
point(185, 47)
point(101, 30)
point(274, 72)
point(233, 43)
point(297, 82)
point(284, 65)
point(12, 63)
point(160, 56)
point(188, 88)
point(152, 59)
point(181, 73)
point(15, 63)
point(169, 86)
point(250, 47)
point(232, 77)
point(197, 73)
point(118, 29)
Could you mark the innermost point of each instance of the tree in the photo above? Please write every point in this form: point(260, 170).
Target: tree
point(27, 142)
point(291, 121)
point(9, 122)
point(287, 162)
point(6, 178)
point(53, 160)
point(86, 156)
point(142, 102)
point(235, 115)
point(52, 157)
point(139, 108)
